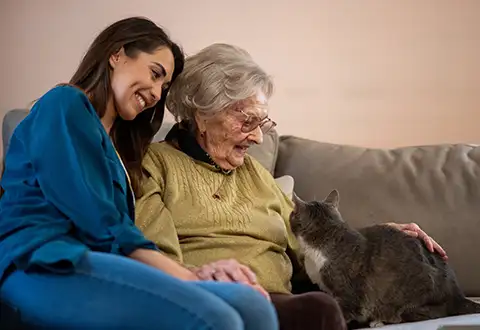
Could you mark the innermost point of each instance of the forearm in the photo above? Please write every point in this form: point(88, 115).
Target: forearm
point(158, 260)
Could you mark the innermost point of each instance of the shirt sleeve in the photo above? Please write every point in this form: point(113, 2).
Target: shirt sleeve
point(67, 149)
point(152, 216)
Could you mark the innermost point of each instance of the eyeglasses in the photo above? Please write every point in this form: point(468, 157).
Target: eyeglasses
point(251, 122)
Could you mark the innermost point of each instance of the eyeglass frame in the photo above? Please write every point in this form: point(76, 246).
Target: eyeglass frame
point(260, 122)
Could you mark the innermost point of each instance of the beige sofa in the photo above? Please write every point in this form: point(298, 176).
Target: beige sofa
point(438, 187)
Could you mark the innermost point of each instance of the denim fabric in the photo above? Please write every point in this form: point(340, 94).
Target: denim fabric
point(108, 291)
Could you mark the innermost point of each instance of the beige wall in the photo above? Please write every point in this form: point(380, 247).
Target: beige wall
point(374, 73)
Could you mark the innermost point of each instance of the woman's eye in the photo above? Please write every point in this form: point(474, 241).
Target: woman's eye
point(156, 75)
point(249, 122)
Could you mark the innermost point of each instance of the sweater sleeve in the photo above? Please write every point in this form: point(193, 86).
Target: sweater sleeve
point(285, 209)
point(67, 151)
point(152, 216)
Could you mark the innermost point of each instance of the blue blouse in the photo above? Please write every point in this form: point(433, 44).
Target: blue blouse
point(66, 191)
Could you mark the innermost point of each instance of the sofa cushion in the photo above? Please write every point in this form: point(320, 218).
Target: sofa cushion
point(163, 131)
point(437, 187)
point(463, 322)
point(286, 185)
point(266, 153)
point(10, 121)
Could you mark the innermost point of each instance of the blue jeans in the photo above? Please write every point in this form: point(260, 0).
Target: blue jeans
point(112, 292)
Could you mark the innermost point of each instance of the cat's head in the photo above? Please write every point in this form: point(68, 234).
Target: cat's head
point(307, 217)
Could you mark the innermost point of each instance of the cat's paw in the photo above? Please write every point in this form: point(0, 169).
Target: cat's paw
point(376, 324)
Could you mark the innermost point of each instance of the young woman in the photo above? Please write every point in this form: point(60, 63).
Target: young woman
point(71, 256)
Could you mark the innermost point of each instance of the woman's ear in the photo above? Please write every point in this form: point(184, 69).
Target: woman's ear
point(201, 124)
point(116, 57)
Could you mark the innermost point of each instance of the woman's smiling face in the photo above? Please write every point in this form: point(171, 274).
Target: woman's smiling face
point(137, 82)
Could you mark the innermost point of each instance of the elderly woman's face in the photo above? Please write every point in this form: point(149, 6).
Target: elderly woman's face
point(228, 135)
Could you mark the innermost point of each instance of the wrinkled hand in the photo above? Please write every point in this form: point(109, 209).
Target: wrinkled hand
point(229, 270)
point(414, 230)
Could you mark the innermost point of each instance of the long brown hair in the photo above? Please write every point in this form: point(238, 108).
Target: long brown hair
point(135, 34)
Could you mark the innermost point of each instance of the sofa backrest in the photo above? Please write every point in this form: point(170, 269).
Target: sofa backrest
point(437, 187)
point(10, 121)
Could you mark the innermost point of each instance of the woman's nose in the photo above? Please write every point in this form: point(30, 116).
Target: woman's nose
point(156, 93)
point(256, 136)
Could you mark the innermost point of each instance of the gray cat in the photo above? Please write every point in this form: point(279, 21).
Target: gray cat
point(378, 274)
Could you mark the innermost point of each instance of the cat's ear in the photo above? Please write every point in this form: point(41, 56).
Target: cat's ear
point(297, 201)
point(333, 198)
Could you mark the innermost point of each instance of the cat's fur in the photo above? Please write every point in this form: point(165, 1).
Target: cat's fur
point(378, 274)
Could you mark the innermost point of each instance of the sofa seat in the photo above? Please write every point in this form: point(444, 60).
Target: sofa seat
point(463, 320)
point(470, 320)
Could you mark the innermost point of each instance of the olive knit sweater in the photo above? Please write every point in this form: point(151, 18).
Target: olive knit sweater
point(196, 214)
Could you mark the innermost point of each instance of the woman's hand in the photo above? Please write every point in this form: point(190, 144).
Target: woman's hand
point(414, 230)
point(229, 270)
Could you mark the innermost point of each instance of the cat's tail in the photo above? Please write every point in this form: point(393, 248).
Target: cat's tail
point(465, 306)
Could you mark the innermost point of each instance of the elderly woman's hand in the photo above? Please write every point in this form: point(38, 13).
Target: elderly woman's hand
point(228, 270)
point(414, 230)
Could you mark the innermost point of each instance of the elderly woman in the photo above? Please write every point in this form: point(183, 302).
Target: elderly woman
point(214, 209)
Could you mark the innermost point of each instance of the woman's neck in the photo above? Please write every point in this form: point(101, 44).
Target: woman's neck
point(201, 141)
point(221, 164)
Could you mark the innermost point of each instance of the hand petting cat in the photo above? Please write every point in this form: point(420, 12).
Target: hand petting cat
point(229, 270)
point(414, 230)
